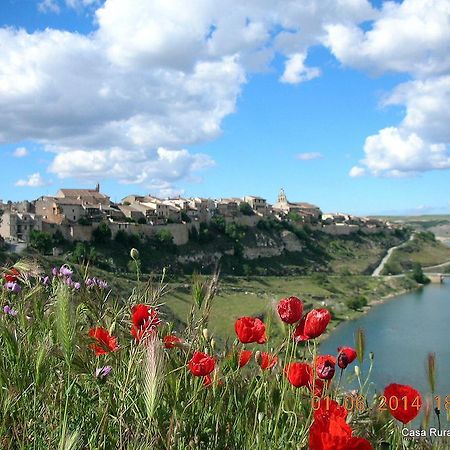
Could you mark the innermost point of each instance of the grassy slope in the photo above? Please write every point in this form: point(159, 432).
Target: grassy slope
point(422, 250)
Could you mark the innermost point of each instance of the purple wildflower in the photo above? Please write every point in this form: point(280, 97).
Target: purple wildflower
point(45, 280)
point(55, 272)
point(96, 282)
point(12, 286)
point(102, 372)
point(8, 310)
point(76, 286)
point(65, 271)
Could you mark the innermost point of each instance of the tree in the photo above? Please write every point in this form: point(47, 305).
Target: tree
point(164, 237)
point(102, 233)
point(41, 241)
point(418, 275)
point(356, 303)
point(246, 209)
point(142, 220)
point(218, 224)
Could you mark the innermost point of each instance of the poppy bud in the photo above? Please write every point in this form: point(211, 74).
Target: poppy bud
point(213, 344)
point(134, 253)
point(260, 416)
point(205, 333)
point(357, 371)
point(258, 358)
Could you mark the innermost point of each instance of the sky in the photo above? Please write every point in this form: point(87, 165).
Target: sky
point(343, 103)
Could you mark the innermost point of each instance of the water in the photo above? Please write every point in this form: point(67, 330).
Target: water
point(401, 332)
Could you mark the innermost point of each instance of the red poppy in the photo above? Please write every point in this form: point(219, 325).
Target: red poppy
point(244, 357)
point(172, 341)
point(12, 276)
point(357, 443)
point(201, 364)
point(250, 329)
point(298, 374)
point(145, 320)
point(346, 356)
point(317, 386)
point(105, 343)
point(267, 361)
point(290, 309)
point(312, 325)
point(325, 366)
point(330, 431)
point(208, 381)
point(403, 402)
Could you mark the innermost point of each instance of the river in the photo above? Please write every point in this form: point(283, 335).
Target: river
point(401, 332)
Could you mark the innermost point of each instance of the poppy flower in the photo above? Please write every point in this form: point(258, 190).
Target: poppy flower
point(403, 402)
point(290, 309)
point(145, 320)
point(317, 385)
point(208, 381)
point(172, 341)
point(12, 276)
point(265, 360)
point(312, 325)
point(325, 366)
point(346, 356)
point(250, 329)
point(244, 357)
point(201, 364)
point(330, 431)
point(104, 342)
point(298, 374)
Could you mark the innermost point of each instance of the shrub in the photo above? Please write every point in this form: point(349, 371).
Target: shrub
point(41, 241)
point(102, 233)
point(356, 303)
point(246, 209)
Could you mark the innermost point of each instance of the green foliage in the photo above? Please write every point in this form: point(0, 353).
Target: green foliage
point(246, 209)
point(83, 254)
point(356, 303)
point(142, 220)
point(417, 274)
point(217, 224)
point(41, 241)
point(85, 221)
point(102, 233)
point(185, 218)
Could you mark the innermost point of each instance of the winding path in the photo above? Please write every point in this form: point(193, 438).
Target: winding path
point(379, 269)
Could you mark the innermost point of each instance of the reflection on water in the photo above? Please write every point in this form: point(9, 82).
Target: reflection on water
point(401, 333)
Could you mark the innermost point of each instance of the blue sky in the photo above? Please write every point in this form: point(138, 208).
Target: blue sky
point(340, 104)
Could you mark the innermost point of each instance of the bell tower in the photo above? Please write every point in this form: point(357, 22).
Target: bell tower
point(282, 197)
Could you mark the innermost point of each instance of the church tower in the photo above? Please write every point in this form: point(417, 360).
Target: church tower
point(282, 197)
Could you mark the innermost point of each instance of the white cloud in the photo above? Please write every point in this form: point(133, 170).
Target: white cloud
point(157, 74)
point(20, 152)
point(411, 37)
point(49, 6)
point(392, 152)
point(34, 180)
point(357, 171)
point(308, 156)
point(296, 72)
point(161, 168)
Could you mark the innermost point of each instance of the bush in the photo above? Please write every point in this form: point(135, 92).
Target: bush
point(356, 303)
point(102, 233)
point(246, 209)
point(417, 274)
point(41, 241)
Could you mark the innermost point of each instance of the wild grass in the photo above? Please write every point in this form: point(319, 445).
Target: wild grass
point(51, 398)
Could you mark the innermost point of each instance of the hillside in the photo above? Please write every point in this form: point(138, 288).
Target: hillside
point(270, 248)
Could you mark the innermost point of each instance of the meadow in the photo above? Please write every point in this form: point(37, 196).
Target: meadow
point(81, 368)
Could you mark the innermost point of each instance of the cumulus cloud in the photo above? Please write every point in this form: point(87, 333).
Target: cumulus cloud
point(158, 75)
point(308, 156)
point(296, 72)
point(20, 152)
point(357, 171)
point(34, 180)
point(411, 37)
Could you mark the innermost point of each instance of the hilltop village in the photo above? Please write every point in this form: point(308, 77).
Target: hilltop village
point(76, 213)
